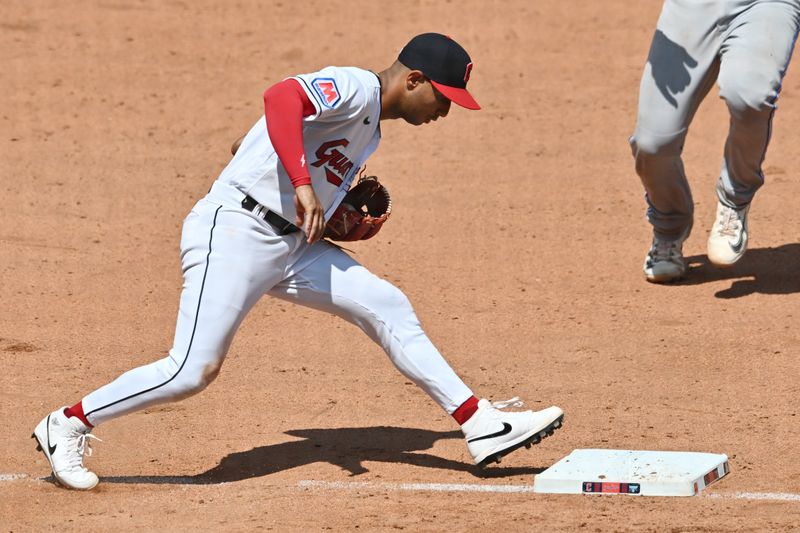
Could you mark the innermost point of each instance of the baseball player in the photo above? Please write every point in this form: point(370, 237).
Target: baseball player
point(745, 46)
point(258, 231)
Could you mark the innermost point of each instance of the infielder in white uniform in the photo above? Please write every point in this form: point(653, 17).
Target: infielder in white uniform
point(296, 164)
point(745, 46)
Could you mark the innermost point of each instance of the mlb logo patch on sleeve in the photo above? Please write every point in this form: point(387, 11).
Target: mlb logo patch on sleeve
point(327, 91)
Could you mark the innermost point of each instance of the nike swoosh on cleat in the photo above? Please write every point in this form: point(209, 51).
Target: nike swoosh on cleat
point(505, 431)
point(51, 449)
point(737, 246)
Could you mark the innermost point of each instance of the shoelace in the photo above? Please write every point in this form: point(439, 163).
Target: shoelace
point(729, 222)
point(81, 447)
point(513, 402)
point(663, 250)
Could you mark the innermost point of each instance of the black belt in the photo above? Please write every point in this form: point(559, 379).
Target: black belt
point(281, 225)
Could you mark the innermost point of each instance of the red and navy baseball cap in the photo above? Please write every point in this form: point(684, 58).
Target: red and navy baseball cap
point(444, 62)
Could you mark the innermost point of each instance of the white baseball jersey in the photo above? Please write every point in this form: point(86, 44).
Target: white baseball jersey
point(231, 258)
point(337, 140)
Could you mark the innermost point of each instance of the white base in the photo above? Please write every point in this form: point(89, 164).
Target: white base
point(634, 472)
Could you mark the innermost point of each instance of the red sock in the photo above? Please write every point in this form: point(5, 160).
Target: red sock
point(77, 411)
point(466, 410)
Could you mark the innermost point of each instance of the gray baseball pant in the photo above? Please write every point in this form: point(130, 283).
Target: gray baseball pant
point(743, 45)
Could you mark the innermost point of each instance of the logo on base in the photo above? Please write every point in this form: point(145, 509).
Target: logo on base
point(611, 487)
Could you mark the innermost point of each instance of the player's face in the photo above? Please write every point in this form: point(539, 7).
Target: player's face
point(424, 103)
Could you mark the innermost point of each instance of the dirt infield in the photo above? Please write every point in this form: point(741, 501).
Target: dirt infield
point(518, 233)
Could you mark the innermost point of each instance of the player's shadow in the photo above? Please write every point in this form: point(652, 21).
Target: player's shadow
point(670, 64)
point(347, 448)
point(761, 270)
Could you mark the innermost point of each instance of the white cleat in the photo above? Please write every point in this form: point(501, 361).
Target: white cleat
point(492, 433)
point(728, 239)
point(64, 441)
point(664, 262)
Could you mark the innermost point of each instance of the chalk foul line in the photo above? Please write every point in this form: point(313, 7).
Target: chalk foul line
point(409, 487)
point(434, 487)
point(458, 487)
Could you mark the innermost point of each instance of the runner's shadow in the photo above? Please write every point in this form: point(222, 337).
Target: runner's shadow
point(766, 271)
point(347, 448)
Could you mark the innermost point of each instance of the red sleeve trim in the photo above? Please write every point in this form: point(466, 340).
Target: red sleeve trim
point(285, 106)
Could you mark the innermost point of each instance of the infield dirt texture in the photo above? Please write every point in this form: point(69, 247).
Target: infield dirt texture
point(518, 233)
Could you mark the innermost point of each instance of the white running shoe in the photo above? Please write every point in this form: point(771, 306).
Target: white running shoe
point(664, 262)
point(491, 433)
point(728, 239)
point(64, 441)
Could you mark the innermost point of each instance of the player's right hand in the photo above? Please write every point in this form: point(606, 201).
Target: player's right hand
point(310, 215)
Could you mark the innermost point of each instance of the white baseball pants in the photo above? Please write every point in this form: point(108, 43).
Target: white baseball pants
point(230, 258)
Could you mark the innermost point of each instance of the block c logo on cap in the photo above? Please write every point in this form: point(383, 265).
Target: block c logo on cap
point(467, 72)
